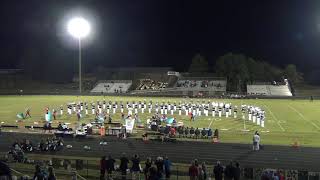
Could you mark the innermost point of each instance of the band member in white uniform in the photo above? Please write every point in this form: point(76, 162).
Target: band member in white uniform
point(61, 110)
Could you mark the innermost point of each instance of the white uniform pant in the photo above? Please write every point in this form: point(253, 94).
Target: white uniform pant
point(256, 146)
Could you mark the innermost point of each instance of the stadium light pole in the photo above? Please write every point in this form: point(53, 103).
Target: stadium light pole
point(79, 28)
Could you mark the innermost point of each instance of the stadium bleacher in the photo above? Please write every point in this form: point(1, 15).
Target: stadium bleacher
point(269, 90)
point(112, 86)
point(257, 90)
point(279, 90)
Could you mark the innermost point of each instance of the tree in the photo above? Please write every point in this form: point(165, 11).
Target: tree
point(234, 68)
point(292, 74)
point(240, 70)
point(199, 64)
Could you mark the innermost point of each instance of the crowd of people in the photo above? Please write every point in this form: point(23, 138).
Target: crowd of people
point(40, 173)
point(154, 169)
point(18, 149)
point(187, 83)
point(148, 84)
point(161, 168)
point(201, 83)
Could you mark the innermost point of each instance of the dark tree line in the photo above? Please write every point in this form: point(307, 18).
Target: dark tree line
point(240, 70)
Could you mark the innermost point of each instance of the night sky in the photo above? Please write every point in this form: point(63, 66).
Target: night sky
point(165, 32)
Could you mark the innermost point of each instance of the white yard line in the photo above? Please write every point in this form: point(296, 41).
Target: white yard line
point(210, 124)
point(303, 117)
point(274, 117)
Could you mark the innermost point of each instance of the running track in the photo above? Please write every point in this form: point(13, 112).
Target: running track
point(284, 157)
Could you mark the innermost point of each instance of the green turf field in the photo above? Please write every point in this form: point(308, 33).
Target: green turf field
point(286, 120)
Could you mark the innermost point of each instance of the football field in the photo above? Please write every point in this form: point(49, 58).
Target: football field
point(287, 121)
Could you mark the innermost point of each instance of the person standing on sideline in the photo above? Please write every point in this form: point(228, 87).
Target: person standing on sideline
point(147, 167)
point(135, 169)
point(110, 166)
point(193, 171)
point(218, 171)
point(256, 141)
point(237, 171)
point(102, 167)
point(167, 167)
point(228, 172)
point(51, 176)
point(124, 161)
point(203, 172)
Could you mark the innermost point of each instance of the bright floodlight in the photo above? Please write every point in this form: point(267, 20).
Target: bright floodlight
point(78, 27)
